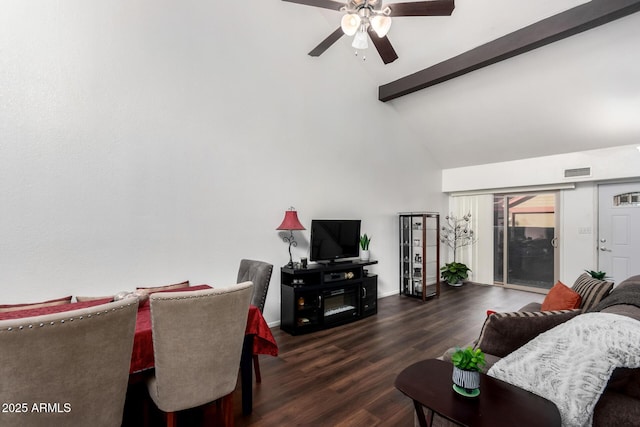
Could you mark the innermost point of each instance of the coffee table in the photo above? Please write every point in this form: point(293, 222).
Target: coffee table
point(429, 384)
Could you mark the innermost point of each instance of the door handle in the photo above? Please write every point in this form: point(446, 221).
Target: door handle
point(604, 249)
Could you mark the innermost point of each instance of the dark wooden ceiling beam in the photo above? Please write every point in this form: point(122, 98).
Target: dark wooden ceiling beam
point(549, 30)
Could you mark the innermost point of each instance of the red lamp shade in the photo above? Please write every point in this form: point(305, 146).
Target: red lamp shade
point(291, 221)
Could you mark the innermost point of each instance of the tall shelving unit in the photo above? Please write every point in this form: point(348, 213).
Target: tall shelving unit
point(419, 254)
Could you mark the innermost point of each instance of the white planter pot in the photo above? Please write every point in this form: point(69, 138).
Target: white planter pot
point(468, 380)
point(364, 255)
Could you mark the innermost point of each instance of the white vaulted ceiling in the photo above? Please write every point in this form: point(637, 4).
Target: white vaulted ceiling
point(576, 94)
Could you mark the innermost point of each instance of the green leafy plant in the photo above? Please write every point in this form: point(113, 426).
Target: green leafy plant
point(600, 275)
point(364, 242)
point(454, 272)
point(468, 359)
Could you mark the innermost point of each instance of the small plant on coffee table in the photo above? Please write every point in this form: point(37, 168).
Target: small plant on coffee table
point(468, 359)
point(467, 364)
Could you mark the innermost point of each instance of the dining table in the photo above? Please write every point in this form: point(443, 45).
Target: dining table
point(258, 338)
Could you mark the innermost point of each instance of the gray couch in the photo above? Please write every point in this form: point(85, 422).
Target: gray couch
point(503, 333)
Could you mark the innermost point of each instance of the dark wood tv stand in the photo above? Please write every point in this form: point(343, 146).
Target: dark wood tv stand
point(322, 296)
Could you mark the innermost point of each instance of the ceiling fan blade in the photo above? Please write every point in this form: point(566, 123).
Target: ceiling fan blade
point(422, 8)
point(383, 45)
point(326, 4)
point(326, 43)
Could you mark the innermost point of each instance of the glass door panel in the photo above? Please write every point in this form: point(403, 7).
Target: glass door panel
point(525, 230)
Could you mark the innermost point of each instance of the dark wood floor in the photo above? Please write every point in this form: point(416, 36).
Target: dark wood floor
point(344, 376)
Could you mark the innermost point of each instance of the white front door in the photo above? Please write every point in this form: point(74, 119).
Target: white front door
point(619, 230)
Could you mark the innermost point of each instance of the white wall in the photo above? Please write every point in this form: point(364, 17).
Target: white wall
point(145, 143)
point(578, 250)
point(606, 164)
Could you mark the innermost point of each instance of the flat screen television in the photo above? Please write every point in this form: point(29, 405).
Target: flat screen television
point(334, 239)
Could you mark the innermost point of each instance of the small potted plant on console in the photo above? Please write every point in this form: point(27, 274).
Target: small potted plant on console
point(467, 364)
point(364, 246)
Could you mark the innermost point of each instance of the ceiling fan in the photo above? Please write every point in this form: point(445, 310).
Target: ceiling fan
point(362, 17)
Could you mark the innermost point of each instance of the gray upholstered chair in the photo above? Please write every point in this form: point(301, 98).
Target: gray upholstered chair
point(74, 366)
point(197, 344)
point(259, 272)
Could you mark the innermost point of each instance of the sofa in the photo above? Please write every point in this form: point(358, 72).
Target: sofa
point(504, 333)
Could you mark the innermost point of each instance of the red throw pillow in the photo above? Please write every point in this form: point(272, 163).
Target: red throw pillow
point(561, 297)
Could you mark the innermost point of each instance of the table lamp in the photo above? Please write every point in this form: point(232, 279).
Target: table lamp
point(290, 223)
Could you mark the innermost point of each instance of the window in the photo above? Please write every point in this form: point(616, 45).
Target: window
point(627, 199)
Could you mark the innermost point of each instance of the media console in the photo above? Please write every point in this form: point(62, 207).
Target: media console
point(325, 295)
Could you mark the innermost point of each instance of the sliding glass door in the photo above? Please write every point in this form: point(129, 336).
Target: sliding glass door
point(525, 237)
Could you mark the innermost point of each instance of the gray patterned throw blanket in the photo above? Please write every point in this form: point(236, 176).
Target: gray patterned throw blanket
point(571, 364)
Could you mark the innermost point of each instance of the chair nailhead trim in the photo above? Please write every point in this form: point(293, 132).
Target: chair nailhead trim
point(71, 319)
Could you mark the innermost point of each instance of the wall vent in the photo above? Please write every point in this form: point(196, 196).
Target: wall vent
point(572, 173)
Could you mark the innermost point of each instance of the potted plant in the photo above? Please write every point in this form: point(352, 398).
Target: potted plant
point(364, 246)
point(467, 364)
point(456, 233)
point(600, 275)
point(454, 273)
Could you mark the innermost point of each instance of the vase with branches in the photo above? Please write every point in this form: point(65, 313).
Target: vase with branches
point(456, 233)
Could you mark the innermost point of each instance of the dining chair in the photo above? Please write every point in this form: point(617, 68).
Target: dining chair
point(69, 368)
point(197, 345)
point(259, 272)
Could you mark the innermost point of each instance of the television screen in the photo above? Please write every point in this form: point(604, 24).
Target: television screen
point(333, 239)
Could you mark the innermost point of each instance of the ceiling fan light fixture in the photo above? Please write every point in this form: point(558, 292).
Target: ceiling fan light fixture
point(350, 23)
point(380, 24)
point(360, 41)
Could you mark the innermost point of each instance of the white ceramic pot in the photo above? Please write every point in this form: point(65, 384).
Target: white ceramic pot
point(468, 380)
point(364, 255)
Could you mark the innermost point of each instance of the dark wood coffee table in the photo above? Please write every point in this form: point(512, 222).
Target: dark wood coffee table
point(429, 384)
